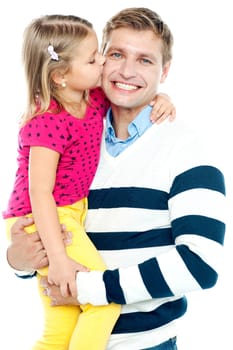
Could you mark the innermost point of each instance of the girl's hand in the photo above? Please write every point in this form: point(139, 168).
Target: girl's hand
point(62, 273)
point(163, 108)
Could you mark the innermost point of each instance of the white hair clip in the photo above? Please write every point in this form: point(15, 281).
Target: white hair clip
point(53, 54)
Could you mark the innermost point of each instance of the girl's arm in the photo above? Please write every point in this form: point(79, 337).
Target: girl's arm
point(42, 174)
point(163, 108)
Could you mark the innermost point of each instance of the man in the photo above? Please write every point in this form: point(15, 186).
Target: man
point(157, 201)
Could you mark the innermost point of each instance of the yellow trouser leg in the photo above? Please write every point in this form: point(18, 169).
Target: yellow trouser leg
point(95, 323)
point(94, 327)
point(59, 321)
point(65, 327)
point(59, 324)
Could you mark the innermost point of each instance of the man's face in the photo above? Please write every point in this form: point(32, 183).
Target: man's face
point(133, 69)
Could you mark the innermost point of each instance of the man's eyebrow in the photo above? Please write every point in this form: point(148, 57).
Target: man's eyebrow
point(114, 48)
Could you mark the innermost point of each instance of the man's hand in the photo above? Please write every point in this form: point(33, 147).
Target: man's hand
point(26, 251)
point(54, 292)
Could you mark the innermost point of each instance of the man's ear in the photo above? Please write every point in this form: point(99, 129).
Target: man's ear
point(166, 68)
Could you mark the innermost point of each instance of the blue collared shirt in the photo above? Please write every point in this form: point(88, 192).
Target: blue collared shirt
point(136, 128)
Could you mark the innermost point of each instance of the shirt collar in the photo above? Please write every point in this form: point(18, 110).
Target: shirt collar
point(137, 126)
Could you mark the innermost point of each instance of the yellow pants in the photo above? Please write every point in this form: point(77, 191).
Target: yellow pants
point(84, 327)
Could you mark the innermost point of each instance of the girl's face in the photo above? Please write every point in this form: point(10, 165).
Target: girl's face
point(86, 68)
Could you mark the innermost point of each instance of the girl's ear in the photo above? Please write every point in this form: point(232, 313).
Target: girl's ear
point(58, 78)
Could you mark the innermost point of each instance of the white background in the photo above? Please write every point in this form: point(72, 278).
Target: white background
point(200, 84)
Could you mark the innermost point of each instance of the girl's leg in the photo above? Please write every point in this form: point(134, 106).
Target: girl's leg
point(59, 324)
point(59, 321)
point(95, 323)
point(94, 327)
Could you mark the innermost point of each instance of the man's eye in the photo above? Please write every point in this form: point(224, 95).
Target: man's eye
point(145, 61)
point(115, 55)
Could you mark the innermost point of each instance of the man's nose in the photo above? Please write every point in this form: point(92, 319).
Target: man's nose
point(127, 68)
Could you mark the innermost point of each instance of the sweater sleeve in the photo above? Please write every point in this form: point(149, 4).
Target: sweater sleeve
point(191, 264)
point(196, 207)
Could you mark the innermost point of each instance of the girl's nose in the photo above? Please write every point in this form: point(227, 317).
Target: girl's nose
point(101, 59)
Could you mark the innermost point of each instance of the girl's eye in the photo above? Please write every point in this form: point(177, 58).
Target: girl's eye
point(92, 61)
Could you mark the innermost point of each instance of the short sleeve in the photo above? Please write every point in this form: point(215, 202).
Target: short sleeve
point(99, 99)
point(46, 130)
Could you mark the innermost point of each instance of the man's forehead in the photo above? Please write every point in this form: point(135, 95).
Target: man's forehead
point(128, 31)
point(133, 41)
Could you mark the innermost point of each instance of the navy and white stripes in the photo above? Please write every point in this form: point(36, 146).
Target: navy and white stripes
point(156, 214)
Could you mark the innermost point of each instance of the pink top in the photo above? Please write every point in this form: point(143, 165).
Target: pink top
point(77, 141)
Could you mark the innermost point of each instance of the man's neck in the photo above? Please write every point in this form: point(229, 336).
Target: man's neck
point(120, 127)
point(121, 118)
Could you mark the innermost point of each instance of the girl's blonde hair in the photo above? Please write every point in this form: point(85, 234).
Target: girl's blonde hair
point(61, 34)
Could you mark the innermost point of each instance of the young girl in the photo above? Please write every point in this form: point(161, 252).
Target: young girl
point(58, 153)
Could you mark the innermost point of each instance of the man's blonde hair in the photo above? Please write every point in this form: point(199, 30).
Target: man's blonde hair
point(141, 19)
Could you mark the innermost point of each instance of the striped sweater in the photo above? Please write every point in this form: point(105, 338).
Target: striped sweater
point(156, 214)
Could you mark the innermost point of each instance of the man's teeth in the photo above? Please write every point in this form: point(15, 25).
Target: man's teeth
point(126, 86)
